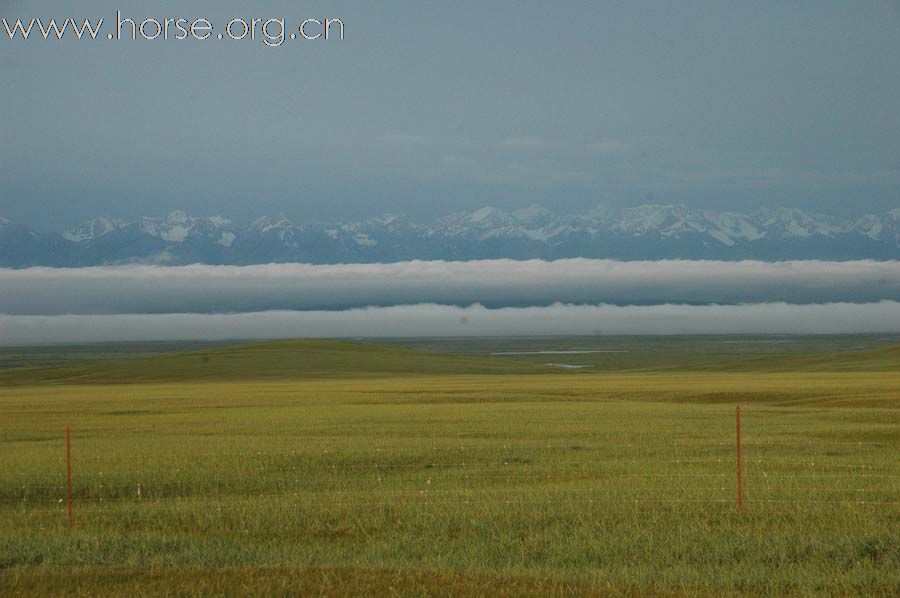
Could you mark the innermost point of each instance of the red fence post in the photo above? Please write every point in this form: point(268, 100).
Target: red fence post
point(69, 474)
point(740, 464)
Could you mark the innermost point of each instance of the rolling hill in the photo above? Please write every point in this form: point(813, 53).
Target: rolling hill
point(886, 359)
point(279, 360)
point(307, 359)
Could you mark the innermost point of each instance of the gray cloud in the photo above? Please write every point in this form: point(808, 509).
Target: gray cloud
point(523, 143)
point(443, 320)
point(493, 283)
point(403, 139)
point(610, 146)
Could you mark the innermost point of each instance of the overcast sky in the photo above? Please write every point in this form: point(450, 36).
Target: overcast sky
point(428, 108)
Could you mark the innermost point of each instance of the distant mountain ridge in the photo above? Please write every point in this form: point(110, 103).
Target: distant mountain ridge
point(644, 232)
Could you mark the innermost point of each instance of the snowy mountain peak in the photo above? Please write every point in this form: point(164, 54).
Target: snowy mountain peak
point(601, 212)
point(173, 228)
point(488, 214)
point(177, 217)
point(533, 215)
point(269, 223)
point(389, 220)
point(884, 228)
point(477, 222)
point(93, 229)
point(653, 231)
point(794, 223)
point(665, 219)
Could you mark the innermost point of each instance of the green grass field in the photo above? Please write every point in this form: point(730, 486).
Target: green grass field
point(333, 468)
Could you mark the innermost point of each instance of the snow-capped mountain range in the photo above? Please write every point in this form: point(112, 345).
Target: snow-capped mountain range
point(642, 232)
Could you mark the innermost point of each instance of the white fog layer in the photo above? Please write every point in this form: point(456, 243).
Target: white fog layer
point(443, 320)
point(493, 283)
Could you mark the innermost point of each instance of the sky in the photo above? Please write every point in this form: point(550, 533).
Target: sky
point(431, 108)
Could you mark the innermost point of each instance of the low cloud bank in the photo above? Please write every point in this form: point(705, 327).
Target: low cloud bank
point(493, 283)
point(444, 320)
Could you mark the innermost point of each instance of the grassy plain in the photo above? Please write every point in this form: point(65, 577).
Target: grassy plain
point(334, 468)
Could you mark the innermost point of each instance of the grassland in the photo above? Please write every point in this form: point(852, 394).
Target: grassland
point(339, 468)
